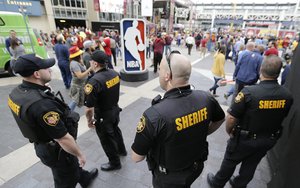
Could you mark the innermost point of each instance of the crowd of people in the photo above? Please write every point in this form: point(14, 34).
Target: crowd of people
point(172, 133)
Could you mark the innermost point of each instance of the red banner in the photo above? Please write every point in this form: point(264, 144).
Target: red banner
point(97, 5)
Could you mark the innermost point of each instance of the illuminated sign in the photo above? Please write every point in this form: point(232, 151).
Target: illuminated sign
point(20, 3)
point(133, 33)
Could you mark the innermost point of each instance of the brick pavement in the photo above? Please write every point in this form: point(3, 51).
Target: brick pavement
point(135, 98)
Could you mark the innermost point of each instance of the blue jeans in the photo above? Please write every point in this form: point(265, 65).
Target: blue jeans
point(215, 86)
point(167, 48)
point(118, 50)
point(72, 105)
point(230, 90)
point(148, 52)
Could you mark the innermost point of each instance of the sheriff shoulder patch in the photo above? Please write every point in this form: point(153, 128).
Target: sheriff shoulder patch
point(51, 118)
point(88, 88)
point(239, 97)
point(141, 125)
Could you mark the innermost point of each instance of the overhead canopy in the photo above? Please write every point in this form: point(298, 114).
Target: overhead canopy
point(163, 3)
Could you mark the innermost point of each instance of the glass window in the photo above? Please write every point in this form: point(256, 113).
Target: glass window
point(80, 14)
point(73, 3)
point(69, 13)
point(74, 12)
point(84, 14)
point(62, 2)
point(1, 22)
point(63, 13)
point(56, 12)
point(83, 4)
point(78, 3)
point(54, 2)
point(68, 4)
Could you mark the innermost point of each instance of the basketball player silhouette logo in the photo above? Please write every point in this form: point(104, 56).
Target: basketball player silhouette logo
point(130, 42)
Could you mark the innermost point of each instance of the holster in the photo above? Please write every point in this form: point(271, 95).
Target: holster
point(72, 123)
point(150, 162)
point(233, 143)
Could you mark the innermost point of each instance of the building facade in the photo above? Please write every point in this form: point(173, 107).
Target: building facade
point(47, 15)
point(276, 16)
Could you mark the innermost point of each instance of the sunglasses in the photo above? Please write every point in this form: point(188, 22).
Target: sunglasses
point(169, 60)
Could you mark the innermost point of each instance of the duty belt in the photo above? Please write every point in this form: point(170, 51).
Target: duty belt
point(249, 134)
point(194, 166)
point(50, 143)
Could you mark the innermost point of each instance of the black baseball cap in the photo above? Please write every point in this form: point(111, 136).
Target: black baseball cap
point(27, 64)
point(100, 57)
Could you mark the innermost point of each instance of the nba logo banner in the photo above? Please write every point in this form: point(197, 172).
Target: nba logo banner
point(133, 33)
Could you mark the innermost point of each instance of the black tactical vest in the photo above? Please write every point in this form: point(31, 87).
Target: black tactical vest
point(110, 90)
point(19, 102)
point(183, 145)
point(262, 118)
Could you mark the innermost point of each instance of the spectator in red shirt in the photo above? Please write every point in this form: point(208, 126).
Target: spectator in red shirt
point(158, 48)
point(106, 45)
point(203, 47)
point(286, 42)
point(79, 40)
point(272, 49)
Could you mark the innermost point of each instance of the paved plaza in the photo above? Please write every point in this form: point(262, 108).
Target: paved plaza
point(20, 168)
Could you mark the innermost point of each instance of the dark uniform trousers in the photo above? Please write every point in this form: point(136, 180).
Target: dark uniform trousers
point(247, 151)
point(180, 179)
point(65, 167)
point(110, 134)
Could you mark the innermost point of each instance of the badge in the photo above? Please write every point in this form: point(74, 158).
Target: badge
point(239, 97)
point(88, 88)
point(51, 118)
point(141, 125)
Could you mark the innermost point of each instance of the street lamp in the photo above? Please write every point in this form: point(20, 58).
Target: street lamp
point(23, 10)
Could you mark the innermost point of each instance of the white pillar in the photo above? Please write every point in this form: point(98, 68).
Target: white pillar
point(281, 18)
point(213, 18)
point(136, 8)
point(50, 16)
point(244, 18)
